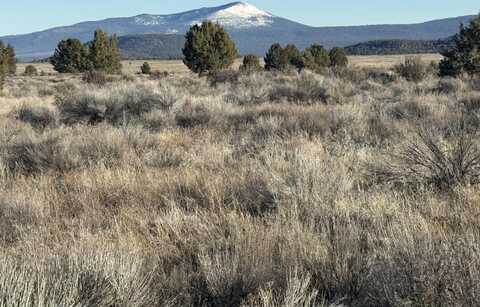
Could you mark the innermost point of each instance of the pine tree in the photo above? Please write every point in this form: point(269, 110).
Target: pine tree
point(71, 56)
point(465, 56)
point(208, 48)
point(338, 57)
point(316, 57)
point(104, 54)
point(276, 58)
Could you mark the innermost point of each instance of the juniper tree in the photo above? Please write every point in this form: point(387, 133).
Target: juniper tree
point(294, 57)
point(208, 47)
point(338, 57)
point(7, 59)
point(104, 54)
point(146, 69)
point(11, 60)
point(465, 56)
point(7, 62)
point(276, 58)
point(316, 57)
point(71, 56)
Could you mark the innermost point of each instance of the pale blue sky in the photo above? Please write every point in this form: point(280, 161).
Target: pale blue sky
point(23, 16)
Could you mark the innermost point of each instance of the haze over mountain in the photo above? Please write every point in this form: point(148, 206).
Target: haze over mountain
point(253, 30)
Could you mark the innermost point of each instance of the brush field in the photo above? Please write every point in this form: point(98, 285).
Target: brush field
point(352, 187)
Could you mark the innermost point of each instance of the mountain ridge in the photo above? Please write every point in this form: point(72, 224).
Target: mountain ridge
point(253, 30)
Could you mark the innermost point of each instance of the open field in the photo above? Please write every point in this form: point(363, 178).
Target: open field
point(353, 187)
point(176, 66)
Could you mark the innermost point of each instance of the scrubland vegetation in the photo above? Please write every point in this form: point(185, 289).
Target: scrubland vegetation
point(353, 187)
point(251, 187)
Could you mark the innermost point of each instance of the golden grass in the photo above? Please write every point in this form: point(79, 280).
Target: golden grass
point(177, 66)
point(258, 191)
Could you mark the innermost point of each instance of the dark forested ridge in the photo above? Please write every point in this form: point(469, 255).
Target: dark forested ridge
point(400, 46)
point(151, 46)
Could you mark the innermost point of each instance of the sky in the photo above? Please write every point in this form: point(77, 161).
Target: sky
point(25, 16)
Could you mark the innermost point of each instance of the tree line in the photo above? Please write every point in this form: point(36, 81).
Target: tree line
point(101, 54)
point(209, 48)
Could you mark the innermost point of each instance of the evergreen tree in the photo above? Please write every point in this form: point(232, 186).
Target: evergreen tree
point(316, 57)
point(208, 48)
point(11, 60)
point(294, 57)
point(3, 66)
point(8, 64)
point(465, 56)
point(276, 58)
point(7, 59)
point(146, 69)
point(114, 56)
point(71, 56)
point(338, 57)
point(104, 54)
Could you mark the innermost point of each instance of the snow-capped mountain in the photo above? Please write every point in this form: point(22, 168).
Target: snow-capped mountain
point(253, 30)
point(237, 15)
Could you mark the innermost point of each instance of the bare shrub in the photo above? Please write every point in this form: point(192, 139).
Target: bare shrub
point(449, 85)
point(31, 155)
point(315, 123)
point(114, 104)
point(75, 280)
point(159, 75)
point(297, 293)
point(426, 161)
point(192, 115)
point(427, 273)
point(358, 75)
point(378, 128)
point(95, 77)
point(30, 71)
point(223, 76)
point(305, 89)
point(410, 109)
point(15, 219)
point(471, 103)
point(36, 116)
point(412, 69)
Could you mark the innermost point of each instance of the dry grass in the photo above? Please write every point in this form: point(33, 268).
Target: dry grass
point(253, 191)
point(131, 67)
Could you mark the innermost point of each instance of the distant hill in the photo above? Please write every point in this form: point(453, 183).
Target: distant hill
point(151, 46)
point(253, 30)
point(400, 46)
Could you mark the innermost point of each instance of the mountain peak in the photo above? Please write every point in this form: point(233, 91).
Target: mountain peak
point(242, 10)
point(240, 15)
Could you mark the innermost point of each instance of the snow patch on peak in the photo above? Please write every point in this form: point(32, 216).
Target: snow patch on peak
point(242, 15)
point(242, 10)
point(148, 20)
